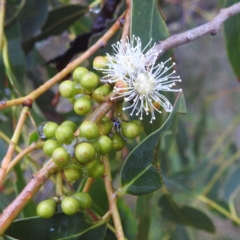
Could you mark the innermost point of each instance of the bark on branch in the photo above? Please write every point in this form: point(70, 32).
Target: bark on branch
point(211, 27)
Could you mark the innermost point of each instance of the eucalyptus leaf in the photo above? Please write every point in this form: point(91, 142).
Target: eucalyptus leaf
point(185, 215)
point(60, 226)
point(144, 216)
point(147, 16)
point(199, 131)
point(33, 138)
point(29, 209)
point(13, 57)
point(128, 220)
point(179, 233)
point(138, 174)
point(58, 20)
point(232, 38)
point(32, 17)
point(182, 143)
point(232, 184)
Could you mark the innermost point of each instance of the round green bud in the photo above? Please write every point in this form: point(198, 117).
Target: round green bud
point(49, 146)
point(118, 142)
point(64, 134)
point(139, 124)
point(89, 81)
point(105, 126)
point(60, 157)
point(89, 130)
point(82, 106)
point(67, 89)
point(46, 208)
point(70, 205)
point(95, 169)
point(103, 145)
point(84, 199)
point(100, 62)
point(72, 174)
point(78, 73)
point(70, 124)
point(100, 93)
point(49, 129)
point(129, 130)
point(84, 152)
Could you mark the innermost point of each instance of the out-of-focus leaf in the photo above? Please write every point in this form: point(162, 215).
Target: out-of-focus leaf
point(232, 184)
point(13, 58)
point(29, 209)
point(185, 215)
point(182, 143)
point(199, 131)
point(4, 201)
point(138, 175)
point(60, 226)
point(2, 76)
point(58, 20)
point(5, 237)
point(144, 216)
point(102, 51)
point(179, 233)
point(214, 191)
point(223, 204)
point(128, 220)
point(33, 138)
point(99, 196)
point(232, 38)
point(82, 26)
point(32, 17)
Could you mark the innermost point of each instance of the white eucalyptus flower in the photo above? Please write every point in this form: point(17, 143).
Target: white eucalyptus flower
point(144, 88)
point(127, 57)
point(138, 80)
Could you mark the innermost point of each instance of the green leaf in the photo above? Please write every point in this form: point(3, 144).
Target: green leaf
point(29, 209)
point(99, 196)
point(185, 215)
point(60, 226)
point(33, 138)
point(199, 132)
point(232, 184)
point(138, 175)
point(232, 39)
point(128, 220)
point(59, 19)
point(13, 57)
point(32, 17)
point(147, 23)
point(179, 233)
point(146, 16)
point(182, 143)
point(144, 216)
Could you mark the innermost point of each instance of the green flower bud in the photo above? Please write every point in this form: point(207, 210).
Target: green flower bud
point(78, 73)
point(67, 89)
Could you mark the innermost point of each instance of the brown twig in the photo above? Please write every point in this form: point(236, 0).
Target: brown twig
point(88, 184)
point(112, 199)
point(127, 20)
point(14, 140)
point(2, 16)
point(13, 210)
point(23, 153)
point(69, 68)
point(211, 27)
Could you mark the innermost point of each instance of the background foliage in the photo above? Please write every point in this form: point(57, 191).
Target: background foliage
point(198, 152)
